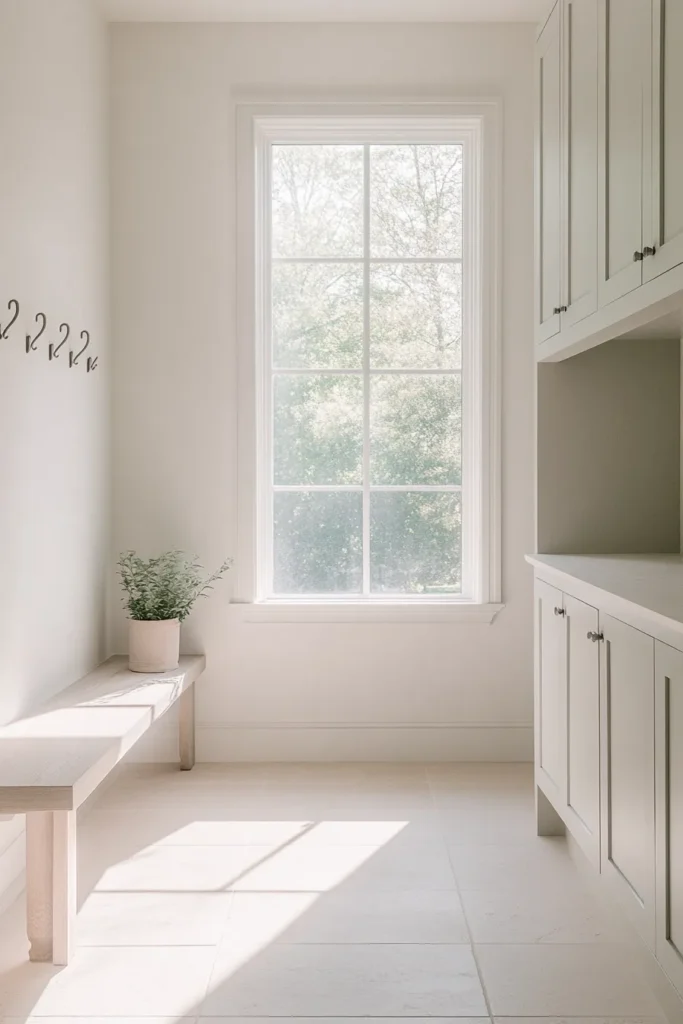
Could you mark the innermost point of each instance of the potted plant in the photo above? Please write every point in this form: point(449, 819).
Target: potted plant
point(159, 595)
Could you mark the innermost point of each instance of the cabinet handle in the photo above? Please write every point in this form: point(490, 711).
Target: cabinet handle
point(638, 256)
point(649, 250)
point(556, 310)
point(595, 636)
point(560, 611)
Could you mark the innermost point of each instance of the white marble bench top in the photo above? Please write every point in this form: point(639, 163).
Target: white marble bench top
point(55, 757)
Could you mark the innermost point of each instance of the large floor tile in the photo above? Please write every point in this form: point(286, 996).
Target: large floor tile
point(563, 980)
point(536, 915)
point(119, 982)
point(125, 832)
point(354, 1020)
point(408, 916)
point(487, 822)
point(307, 867)
point(583, 1020)
point(356, 981)
point(171, 869)
point(172, 1019)
point(539, 863)
point(153, 919)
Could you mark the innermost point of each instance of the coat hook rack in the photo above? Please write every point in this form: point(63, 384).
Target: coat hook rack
point(92, 363)
point(73, 358)
point(53, 350)
point(12, 304)
point(32, 342)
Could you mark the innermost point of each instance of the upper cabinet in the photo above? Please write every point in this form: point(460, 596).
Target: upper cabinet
point(610, 145)
point(579, 160)
point(664, 134)
point(624, 69)
point(548, 159)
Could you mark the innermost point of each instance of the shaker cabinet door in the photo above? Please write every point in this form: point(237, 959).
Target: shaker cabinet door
point(583, 727)
point(548, 178)
point(663, 225)
point(669, 788)
point(624, 55)
point(580, 160)
point(551, 719)
point(627, 749)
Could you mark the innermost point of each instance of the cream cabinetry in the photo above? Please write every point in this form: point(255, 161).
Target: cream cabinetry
point(609, 753)
point(669, 809)
point(615, 258)
point(628, 769)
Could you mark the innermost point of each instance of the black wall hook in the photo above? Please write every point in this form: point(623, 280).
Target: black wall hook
point(92, 363)
point(10, 304)
point(31, 342)
point(73, 359)
point(53, 350)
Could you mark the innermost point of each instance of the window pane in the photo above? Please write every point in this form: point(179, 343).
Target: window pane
point(415, 315)
point(415, 543)
point(318, 315)
point(415, 429)
point(318, 427)
point(318, 543)
point(416, 200)
point(317, 201)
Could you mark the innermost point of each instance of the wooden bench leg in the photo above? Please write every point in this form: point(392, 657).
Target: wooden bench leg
point(51, 884)
point(187, 729)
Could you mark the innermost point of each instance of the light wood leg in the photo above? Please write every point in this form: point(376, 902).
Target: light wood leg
point(548, 821)
point(39, 884)
point(51, 884)
point(187, 729)
point(64, 886)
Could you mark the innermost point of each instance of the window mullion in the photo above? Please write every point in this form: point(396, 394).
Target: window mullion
point(366, 370)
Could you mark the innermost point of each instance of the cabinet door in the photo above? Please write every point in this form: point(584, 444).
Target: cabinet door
point(663, 228)
point(580, 160)
point(583, 727)
point(550, 707)
point(628, 769)
point(548, 176)
point(669, 788)
point(624, 56)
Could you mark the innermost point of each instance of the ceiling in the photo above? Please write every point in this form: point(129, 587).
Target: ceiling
point(326, 10)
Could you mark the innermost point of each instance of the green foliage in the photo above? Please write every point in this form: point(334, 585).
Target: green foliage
point(165, 587)
point(415, 323)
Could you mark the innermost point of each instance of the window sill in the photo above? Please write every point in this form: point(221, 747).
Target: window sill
point(348, 611)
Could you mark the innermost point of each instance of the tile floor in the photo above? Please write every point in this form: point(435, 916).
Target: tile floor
point(242, 893)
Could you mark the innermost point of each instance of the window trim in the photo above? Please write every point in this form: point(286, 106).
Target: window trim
point(478, 124)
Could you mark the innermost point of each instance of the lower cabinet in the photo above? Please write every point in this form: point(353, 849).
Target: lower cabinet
point(582, 796)
point(669, 815)
point(609, 759)
point(628, 770)
point(550, 692)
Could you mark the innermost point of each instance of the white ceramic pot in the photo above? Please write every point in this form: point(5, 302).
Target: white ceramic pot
point(153, 646)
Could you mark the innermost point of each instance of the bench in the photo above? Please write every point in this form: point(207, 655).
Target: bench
point(52, 760)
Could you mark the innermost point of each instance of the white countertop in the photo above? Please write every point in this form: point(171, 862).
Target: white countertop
point(645, 589)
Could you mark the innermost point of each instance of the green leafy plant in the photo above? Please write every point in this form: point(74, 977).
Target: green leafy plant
point(165, 587)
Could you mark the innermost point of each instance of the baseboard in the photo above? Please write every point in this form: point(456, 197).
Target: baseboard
point(364, 742)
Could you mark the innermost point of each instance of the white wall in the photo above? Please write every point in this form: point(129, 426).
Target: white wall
point(54, 443)
point(297, 691)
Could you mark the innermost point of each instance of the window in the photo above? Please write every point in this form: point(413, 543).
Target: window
point(372, 480)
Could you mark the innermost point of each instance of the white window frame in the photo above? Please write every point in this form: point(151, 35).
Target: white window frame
point(476, 127)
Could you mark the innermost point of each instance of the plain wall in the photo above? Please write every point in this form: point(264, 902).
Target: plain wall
point(609, 432)
point(54, 442)
point(297, 691)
